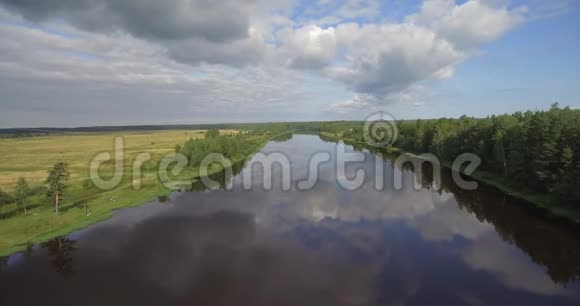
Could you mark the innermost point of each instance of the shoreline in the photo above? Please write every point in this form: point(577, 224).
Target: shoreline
point(42, 225)
point(74, 218)
point(537, 200)
point(97, 215)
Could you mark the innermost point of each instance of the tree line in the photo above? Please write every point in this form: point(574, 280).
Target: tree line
point(55, 185)
point(230, 146)
point(25, 197)
point(539, 150)
point(534, 150)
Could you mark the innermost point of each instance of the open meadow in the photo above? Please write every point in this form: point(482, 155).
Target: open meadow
point(32, 158)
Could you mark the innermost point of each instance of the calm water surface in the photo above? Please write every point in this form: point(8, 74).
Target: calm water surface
point(325, 246)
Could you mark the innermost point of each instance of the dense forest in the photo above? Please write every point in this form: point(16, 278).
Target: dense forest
point(538, 150)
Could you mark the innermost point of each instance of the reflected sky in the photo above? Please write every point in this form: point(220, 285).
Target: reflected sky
point(325, 246)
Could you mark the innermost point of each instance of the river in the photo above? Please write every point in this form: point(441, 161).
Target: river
point(322, 246)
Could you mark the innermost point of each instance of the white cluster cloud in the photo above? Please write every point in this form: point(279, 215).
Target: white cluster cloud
point(385, 59)
point(468, 25)
point(162, 44)
point(309, 47)
point(517, 272)
point(358, 101)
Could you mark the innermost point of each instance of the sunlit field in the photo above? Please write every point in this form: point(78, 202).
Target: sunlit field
point(32, 157)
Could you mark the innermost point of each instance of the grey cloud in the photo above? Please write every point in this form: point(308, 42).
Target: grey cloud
point(93, 79)
point(388, 60)
point(191, 31)
point(215, 21)
point(237, 53)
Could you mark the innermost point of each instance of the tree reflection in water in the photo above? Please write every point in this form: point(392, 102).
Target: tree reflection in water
point(61, 251)
point(543, 239)
point(547, 242)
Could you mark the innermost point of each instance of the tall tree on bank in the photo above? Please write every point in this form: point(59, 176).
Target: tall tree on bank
point(22, 192)
point(56, 183)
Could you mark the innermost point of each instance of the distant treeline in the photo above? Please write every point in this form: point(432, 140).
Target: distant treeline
point(230, 146)
point(30, 132)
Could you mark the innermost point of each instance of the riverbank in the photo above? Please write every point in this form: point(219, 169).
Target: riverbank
point(85, 206)
point(542, 201)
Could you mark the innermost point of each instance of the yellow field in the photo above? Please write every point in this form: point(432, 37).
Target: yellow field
point(32, 157)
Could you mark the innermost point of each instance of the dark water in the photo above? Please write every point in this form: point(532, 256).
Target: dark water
point(325, 246)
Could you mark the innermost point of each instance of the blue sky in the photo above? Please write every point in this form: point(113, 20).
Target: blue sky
point(529, 68)
point(182, 61)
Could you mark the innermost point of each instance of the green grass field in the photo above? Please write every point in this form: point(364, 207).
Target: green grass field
point(32, 157)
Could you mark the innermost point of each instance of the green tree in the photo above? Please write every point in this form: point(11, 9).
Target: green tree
point(22, 192)
point(541, 150)
point(57, 183)
point(566, 160)
point(568, 177)
point(212, 133)
point(499, 155)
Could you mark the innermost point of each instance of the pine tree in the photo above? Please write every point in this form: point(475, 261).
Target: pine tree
point(57, 183)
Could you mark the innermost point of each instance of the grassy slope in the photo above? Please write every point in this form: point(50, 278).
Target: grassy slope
point(507, 186)
point(23, 156)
